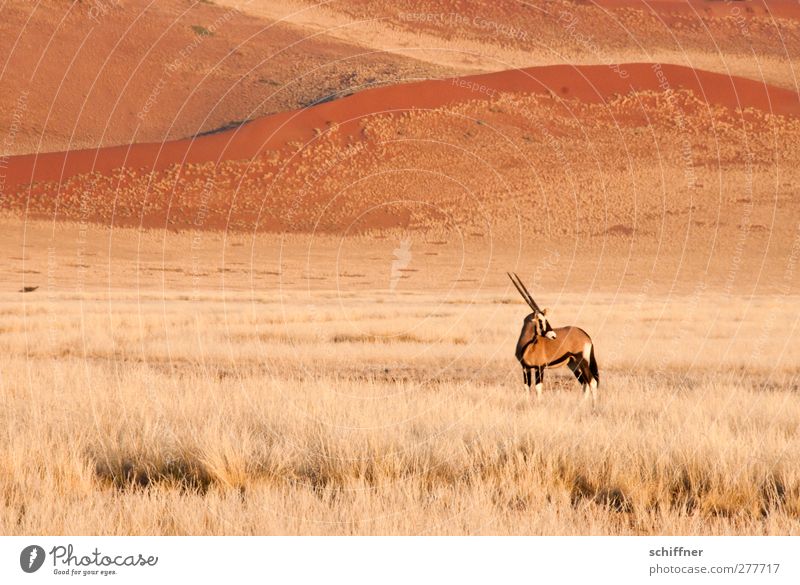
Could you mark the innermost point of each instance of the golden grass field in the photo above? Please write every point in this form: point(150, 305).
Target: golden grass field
point(132, 406)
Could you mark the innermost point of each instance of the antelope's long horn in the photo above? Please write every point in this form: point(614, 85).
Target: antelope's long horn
point(530, 297)
point(519, 290)
point(523, 291)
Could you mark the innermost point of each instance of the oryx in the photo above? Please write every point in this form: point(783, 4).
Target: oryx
point(540, 346)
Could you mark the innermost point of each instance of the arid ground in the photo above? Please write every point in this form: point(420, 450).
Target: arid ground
point(254, 278)
point(258, 394)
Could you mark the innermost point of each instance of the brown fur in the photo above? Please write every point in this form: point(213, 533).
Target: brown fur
point(550, 353)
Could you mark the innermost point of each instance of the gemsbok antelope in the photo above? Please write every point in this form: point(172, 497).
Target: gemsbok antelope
point(540, 346)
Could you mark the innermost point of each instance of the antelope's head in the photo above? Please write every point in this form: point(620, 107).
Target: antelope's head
point(541, 324)
point(535, 324)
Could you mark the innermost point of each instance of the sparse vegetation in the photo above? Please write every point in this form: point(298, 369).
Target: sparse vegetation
point(201, 31)
point(214, 415)
point(594, 171)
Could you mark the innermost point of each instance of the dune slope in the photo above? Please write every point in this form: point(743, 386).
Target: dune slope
point(87, 74)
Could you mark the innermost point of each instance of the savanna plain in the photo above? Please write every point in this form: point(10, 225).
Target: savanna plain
point(320, 407)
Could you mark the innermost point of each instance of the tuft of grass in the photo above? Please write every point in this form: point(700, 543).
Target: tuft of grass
point(201, 31)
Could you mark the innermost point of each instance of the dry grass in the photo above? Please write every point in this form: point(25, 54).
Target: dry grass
point(152, 415)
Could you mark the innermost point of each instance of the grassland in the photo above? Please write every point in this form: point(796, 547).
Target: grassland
point(378, 412)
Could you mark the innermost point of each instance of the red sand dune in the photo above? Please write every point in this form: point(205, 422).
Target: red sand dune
point(588, 83)
point(777, 8)
point(80, 75)
point(103, 73)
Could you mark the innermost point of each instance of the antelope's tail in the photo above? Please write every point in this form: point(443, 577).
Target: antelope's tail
point(593, 366)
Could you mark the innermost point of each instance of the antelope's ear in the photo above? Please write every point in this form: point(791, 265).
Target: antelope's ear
point(544, 312)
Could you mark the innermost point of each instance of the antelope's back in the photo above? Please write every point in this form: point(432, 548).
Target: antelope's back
point(571, 338)
point(555, 352)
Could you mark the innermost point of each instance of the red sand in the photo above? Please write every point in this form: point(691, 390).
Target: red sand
point(588, 83)
point(777, 8)
point(102, 73)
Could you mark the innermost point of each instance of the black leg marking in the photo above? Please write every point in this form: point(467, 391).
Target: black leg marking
point(577, 370)
point(587, 372)
point(539, 374)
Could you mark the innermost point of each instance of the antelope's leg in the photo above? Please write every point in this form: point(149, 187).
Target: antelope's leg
point(526, 377)
point(589, 383)
point(539, 372)
point(575, 367)
point(579, 369)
